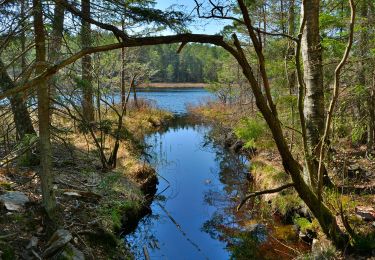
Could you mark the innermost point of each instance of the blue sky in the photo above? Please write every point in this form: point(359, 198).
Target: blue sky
point(200, 26)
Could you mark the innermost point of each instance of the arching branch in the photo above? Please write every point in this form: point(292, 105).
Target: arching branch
point(258, 193)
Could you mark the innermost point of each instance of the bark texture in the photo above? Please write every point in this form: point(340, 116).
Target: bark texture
point(313, 77)
point(87, 88)
point(20, 112)
point(45, 172)
point(56, 42)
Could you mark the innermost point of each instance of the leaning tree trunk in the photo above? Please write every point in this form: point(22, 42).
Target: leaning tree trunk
point(313, 76)
point(21, 115)
point(45, 173)
point(325, 217)
point(87, 89)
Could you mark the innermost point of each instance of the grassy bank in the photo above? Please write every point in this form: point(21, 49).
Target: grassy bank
point(96, 207)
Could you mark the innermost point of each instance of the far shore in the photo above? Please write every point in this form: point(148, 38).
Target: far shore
point(172, 85)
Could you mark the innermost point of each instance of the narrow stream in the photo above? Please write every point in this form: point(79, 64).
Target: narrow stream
point(193, 215)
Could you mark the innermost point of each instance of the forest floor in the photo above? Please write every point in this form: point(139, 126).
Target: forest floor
point(350, 168)
point(96, 207)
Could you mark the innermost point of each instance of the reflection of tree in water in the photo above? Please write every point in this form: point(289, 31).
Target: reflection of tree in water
point(144, 235)
point(224, 225)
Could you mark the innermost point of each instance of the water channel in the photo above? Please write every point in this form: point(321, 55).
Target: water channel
point(193, 214)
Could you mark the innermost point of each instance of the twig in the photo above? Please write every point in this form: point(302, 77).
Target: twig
point(8, 236)
point(36, 254)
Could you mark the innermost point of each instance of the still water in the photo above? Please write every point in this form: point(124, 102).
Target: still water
point(192, 195)
point(175, 99)
point(200, 184)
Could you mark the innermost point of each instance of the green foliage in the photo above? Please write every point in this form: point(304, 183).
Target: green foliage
point(249, 130)
point(358, 133)
point(195, 63)
point(286, 203)
point(303, 223)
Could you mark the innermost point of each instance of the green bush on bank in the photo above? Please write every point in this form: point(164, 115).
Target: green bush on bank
point(250, 130)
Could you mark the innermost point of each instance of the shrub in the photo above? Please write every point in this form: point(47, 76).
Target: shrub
point(249, 130)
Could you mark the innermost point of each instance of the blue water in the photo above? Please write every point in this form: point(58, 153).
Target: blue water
point(197, 184)
point(176, 100)
point(193, 192)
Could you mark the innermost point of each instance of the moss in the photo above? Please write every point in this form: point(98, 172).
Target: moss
point(286, 203)
point(303, 223)
point(5, 185)
point(103, 238)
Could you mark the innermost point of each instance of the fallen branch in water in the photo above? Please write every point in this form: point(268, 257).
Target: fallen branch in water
point(258, 193)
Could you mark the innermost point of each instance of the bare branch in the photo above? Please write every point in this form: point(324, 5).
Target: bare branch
point(258, 193)
point(336, 88)
point(130, 42)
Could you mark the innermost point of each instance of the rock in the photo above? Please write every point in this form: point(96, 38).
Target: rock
point(33, 243)
point(356, 172)
point(320, 247)
point(71, 253)
point(14, 200)
point(58, 240)
point(82, 194)
point(366, 213)
point(308, 236)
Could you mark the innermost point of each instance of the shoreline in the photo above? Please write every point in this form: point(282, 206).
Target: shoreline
point(165, 85)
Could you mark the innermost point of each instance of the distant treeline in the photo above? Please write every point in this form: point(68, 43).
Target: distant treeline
point(195, 63)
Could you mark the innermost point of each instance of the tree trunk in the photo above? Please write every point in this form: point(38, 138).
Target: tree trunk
point(313, 76)
point(371, 126)
point(45, 173)
point(24, 4)
point(56, 41)
point(123, 91)
point(87, 89)
point(21, 115)
point(291, 74)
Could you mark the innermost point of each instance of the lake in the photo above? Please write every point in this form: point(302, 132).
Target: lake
point(175, 99)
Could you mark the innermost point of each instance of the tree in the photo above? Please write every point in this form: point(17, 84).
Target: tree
point(313, 77)
point(20, 112)
point(45, 173)
point(86, 83)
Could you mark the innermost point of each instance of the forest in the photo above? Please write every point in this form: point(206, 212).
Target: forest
point(255, 141)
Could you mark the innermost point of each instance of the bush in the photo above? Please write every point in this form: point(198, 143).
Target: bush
point(249, 130)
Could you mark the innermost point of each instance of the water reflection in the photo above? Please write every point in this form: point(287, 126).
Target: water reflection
point(200, 185)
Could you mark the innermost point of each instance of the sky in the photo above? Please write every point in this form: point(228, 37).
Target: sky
point(201, 26)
